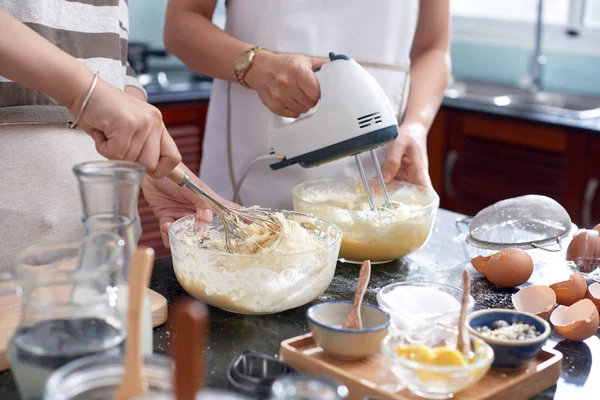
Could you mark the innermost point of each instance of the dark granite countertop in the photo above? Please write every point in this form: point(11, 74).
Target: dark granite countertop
point(591, 126)
point(442, 259)
point(184, 86)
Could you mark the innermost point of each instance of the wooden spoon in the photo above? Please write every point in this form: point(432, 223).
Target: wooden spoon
point(463, 344)
point(353, 320)
point(133, 384)
point(190, 320)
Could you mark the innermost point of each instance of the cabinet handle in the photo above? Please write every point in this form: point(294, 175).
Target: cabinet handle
point(449, 164)
point(588, 202)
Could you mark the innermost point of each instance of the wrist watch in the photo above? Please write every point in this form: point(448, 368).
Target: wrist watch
point(243, 63)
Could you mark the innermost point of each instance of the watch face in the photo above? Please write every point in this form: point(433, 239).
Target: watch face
point(241, 62)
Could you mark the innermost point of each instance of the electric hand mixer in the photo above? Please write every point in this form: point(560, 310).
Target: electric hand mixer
point(354, 115)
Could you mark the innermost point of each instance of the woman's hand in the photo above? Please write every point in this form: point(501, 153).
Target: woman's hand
point(170, 202)
point(126, 128)
point(407, 156)
point(285, 83)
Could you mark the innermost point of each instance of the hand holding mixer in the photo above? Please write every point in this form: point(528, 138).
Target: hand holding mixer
point(354, 115)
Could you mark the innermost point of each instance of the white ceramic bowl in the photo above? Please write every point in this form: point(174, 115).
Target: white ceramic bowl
point(325, 321)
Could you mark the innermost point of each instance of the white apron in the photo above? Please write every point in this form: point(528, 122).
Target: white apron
point(378, 35)
point(39, 197)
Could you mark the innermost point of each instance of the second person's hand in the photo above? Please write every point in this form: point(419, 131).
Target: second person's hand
point(285, 83)
point(407, 156)
point(170, 202)
point(125, 128)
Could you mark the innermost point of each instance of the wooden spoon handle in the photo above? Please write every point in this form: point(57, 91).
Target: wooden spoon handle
point(463, 343)
point(139, 277)
point(177, 175)
point(190, 323)
point(353, 320)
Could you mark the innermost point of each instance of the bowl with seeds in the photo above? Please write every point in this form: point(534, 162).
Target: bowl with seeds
point(516, 337)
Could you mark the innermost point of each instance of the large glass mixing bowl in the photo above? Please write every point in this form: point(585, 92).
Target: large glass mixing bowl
point(253, 283)
point(380, 236)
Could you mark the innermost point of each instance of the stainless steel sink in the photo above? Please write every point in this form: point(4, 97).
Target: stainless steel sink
point(563, 104)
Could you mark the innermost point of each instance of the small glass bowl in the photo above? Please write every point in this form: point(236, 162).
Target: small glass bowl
point(98, 378)
point(419, 324)
point(437, 382)
point(379, 236)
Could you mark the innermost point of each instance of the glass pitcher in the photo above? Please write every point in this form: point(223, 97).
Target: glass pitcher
point(109, 193)
point(68, 307)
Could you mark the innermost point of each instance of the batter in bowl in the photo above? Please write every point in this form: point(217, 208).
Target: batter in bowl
point(379, 236)
point(286, 271)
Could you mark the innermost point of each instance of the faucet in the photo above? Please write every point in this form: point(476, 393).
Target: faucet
point(533, 81)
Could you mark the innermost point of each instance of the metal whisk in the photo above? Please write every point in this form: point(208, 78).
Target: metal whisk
point(235, 221)
point(388, 204)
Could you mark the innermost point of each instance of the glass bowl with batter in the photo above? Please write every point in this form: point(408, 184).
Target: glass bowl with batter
point(294, 272)
point(380, 236)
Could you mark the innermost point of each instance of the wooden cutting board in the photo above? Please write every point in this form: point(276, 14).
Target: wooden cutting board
point(10, 313)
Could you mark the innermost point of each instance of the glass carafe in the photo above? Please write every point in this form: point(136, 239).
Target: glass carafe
point(68, 307)
point(109, 194)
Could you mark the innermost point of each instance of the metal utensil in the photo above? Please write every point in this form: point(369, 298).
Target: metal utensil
point(353, 320)
point(236, 222)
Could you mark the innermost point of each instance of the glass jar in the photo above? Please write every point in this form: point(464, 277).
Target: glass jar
point(98, 378)
point(68, 307)
point(307, 387)
point(109, 193)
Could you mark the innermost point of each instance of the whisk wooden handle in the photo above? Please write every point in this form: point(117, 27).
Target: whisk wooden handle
point(177, 175)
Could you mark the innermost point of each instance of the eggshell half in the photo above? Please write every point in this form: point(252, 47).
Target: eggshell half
point(577, 322)
point(479, 263)
point(570, 291)
point(597, 228)
point(509, 268)
point(536, 299)
point(593, 293)
point(584, 250)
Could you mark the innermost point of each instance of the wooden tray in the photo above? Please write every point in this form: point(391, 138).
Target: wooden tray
point(372, 377)
point(10, 314)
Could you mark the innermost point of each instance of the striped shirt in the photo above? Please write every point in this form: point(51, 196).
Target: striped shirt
point(93, 31)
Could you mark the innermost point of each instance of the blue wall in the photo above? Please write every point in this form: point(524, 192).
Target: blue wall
point(500, 64)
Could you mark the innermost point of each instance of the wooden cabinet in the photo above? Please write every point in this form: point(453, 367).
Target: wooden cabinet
point(590, 203)
point(185, 122)
point(479, 159)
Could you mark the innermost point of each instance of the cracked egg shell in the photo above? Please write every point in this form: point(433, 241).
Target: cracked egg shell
point(536, 299)
point(577, 322)
point(509, 268)
point(570, 291)
point(479, 263)
point(593, 293)
point(584, 249)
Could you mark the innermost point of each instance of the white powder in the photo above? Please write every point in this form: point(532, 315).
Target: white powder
point(422, 301)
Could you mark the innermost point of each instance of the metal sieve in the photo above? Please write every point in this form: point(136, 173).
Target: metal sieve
point(524, 222)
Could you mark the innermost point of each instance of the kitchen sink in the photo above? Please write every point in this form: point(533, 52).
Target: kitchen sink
point(563, 104)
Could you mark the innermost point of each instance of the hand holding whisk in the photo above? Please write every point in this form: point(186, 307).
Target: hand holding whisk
point(236, 222)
